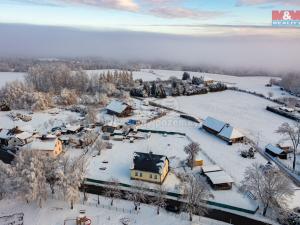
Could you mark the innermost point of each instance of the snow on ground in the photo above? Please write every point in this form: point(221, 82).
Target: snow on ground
point(253, 83)
point(120, 159)
point(246, 112)
point(55, 212)
point(10, 76)
point(41, 121)
point(121, 155)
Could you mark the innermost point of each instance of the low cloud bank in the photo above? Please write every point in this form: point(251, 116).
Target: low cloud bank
point(267, 53)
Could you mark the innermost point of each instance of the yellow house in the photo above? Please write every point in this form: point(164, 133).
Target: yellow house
point(149, 167)
point(48, 145)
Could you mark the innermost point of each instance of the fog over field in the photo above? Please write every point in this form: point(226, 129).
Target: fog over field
point(273, 53)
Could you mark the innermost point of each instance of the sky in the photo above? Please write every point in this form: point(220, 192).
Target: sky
point(234, 34)
point(189, 17)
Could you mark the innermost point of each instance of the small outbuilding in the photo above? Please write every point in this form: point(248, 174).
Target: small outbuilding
point(275, 151)
point(149, 167)
point(119, 108)
point(219, 180)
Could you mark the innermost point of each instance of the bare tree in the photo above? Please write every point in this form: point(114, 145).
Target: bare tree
point(192, 150)
point(91, 116)
point(99, 145)
point(270, 94)
point(293, 134)
point(138, 195)
point(268, 185)
point(159, 199)
point(113, 191)
point(196, 195)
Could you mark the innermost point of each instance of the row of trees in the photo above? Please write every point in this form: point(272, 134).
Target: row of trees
point(49, 84)
point(33, 174)
point(291, 83)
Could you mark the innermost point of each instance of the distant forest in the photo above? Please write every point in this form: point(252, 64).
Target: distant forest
point(23, 65)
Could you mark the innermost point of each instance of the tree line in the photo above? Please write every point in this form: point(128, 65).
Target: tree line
point(56, 84)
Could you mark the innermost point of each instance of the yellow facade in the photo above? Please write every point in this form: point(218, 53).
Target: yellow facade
point(55, 152)
point(198, 162)
point(151, 177)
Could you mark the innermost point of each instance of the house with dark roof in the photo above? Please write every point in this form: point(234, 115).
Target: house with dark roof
point(119, 108)
point(149, 167)
point(6, 156)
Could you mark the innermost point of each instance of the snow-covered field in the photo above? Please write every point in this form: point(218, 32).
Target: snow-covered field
point(56, 212)
point(41, 121)
point(10, 76)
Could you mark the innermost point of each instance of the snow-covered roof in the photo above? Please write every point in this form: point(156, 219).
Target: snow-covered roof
point(148, 162)
point(230, 132)
point(24, 135)
point(117, 106)
point(274, 149)
point(214, 124)
point(4, 134)
point(210, 168)
point(73, 127)
point(42, 145)
point(219, 177)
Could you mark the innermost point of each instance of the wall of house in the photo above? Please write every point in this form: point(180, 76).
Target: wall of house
point(165, 171)
point(58, 148)
point(146, 176)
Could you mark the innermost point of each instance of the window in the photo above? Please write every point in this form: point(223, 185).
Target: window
point(136, 174)
point(155, 177)
point(141, 174)
point(150, 176)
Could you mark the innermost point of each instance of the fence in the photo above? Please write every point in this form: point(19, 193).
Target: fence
point(113, 208)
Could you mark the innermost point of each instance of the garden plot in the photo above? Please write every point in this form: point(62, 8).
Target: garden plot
point(55, 212)
point(41, 121)
point(118, 160)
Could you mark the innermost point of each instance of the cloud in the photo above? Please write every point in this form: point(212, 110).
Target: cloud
point(127, 5)
point(180, 12)
point(251, 52)
point(273, 2)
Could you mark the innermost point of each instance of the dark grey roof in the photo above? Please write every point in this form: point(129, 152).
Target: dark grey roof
point(148, 162)
point(6, 156)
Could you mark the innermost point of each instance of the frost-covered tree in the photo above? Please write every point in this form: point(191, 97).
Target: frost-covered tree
point(192, 150)
point(137, 195)
point(30, 177)
point(6, 174)
point(196, 195)
point(91, 116)
point(51, 168)
point(99, 145)
point(67, 97)
point(71, 176)
point(113, 191)
point(186, 76)
point(159, 199)
point(268, 185)
point(293, 134)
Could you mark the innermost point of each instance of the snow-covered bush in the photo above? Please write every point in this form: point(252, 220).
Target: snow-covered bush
point(67, 97)
point(18, 95)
